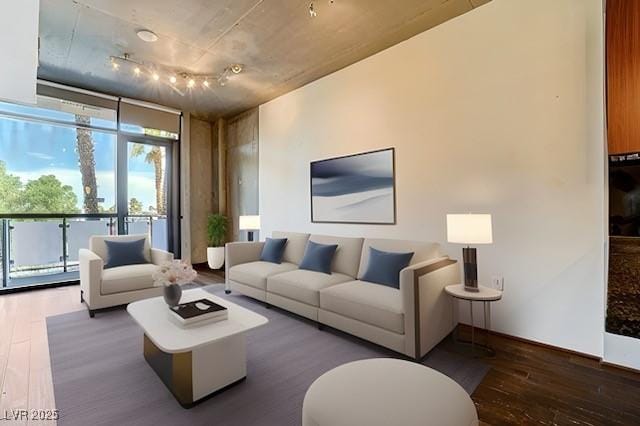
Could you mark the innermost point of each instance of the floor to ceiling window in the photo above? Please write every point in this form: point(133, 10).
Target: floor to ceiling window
point(67, 173)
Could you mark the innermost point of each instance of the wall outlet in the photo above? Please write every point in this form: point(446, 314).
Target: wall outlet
point(497, 282)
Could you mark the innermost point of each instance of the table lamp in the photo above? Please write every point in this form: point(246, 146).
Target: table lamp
point(250, 224)
point(469, 229)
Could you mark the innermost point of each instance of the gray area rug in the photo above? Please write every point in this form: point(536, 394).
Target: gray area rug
point(100, 376)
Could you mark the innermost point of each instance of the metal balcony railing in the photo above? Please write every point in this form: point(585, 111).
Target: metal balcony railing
point(37, 249)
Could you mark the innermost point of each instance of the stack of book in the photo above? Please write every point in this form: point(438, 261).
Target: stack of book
point(198, 312)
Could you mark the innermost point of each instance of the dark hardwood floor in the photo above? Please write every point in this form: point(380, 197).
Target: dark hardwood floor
point(532, 384)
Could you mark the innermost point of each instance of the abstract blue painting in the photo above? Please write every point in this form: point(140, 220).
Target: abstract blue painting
point(358, 188)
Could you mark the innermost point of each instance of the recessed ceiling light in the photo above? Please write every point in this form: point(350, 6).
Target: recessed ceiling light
point(236, 68)
point(191, 83)
point(173, 79)
point(148, 36)
point(155, 76)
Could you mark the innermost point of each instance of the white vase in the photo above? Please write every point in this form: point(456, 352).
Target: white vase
point(215, 257)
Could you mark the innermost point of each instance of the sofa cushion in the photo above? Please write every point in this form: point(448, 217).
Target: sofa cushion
point(422, 250)
point(384, 267)
point(273, 250)
point(303, 285)
point(121, 279)
point(370, 303)
point(255, 273)
point(347, 258)
point(318, 257)
point(296, 243)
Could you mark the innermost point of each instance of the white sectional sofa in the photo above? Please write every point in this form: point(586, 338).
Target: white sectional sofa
point(410, 320)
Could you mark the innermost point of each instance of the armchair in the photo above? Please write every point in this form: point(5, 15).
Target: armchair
point(102, 288)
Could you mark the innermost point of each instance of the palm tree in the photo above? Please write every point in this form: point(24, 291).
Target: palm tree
point(87, 164)
point(154, 156)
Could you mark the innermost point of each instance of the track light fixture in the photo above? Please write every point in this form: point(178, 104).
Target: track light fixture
point(312, 8)
point(175, 79)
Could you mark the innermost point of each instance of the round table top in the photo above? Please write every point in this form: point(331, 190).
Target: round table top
point(385, 391)
point(485, 294)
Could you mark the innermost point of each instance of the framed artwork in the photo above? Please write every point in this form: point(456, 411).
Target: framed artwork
point(358, 188)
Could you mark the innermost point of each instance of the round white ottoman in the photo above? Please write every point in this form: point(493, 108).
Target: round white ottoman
point(386, 392)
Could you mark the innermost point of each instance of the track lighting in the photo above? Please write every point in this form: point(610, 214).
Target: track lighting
point(177, 80)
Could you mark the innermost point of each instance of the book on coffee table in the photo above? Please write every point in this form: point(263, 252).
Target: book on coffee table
point(199, 311)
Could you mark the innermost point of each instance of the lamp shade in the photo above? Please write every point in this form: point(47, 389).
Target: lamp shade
point(249, 223)
point(469, 228)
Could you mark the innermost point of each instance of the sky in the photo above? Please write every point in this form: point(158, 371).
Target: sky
point(32, 149)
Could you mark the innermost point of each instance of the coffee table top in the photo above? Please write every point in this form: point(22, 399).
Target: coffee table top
point(153, 316)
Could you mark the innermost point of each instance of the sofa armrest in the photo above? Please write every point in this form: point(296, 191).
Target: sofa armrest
point(91, 266)
point(427, 308)
point(240, 252)
point(158, 256)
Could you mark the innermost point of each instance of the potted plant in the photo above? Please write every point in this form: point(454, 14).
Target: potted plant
point(217, 233)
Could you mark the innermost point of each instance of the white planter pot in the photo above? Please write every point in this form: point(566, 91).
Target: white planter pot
point(215, 257)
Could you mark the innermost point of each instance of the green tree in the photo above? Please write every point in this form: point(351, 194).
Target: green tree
point(10, 188)
point(48, 195)
point(135, 206)
point(155, 156)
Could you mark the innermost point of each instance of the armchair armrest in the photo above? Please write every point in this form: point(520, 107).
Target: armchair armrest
point(91, 266)
point(428, 310)
point(158, 256)
point(240, 252)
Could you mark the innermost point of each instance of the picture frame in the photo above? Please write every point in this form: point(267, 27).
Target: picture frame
point(354, 189)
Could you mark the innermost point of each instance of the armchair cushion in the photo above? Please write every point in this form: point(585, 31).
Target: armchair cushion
point(122, 253)
point(255, 274)
point(302, 285)
point(127, 278)
point(370, 303)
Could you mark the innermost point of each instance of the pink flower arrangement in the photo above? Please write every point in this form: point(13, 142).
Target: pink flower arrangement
point(174, 272)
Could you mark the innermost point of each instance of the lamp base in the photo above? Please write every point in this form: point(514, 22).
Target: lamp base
point(250, 235)
point(469, 256)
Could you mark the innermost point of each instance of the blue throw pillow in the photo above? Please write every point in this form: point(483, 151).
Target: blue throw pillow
point(318, 257)
point(384, 267)
point(273, 250)
point(122, 253)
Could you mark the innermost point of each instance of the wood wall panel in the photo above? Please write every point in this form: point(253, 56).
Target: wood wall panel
point(623, 75)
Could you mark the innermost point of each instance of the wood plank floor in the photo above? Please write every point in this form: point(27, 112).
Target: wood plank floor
point(25, 368)
point(527, 384)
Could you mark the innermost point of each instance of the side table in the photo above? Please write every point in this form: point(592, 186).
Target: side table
point(485, 295)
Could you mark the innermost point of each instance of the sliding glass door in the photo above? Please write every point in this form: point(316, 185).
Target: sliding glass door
point(146, 189)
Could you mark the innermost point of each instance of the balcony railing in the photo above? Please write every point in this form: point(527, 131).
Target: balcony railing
point(38, 249)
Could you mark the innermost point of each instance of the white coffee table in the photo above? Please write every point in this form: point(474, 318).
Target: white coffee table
point(196, 361)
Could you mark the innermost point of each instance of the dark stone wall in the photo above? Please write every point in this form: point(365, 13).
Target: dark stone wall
point(623, 295)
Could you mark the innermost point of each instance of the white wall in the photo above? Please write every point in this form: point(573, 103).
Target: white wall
point(497, 111)
point(19, 50)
